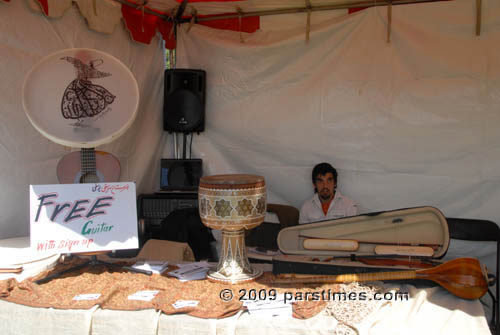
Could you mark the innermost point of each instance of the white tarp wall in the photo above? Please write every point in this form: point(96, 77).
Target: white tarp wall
point(29, 158)
point(409, 123)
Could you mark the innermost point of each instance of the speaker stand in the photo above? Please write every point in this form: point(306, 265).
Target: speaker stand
point(184, 145)
point(93, 261)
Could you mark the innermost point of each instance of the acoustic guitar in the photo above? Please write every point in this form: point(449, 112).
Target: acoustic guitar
point(88, 166)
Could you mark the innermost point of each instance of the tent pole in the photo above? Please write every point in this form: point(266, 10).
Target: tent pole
point(312, 9)
point(389, 21)
point(478, 17)
point(292, 10)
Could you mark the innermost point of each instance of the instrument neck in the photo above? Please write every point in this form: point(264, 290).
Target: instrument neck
point(390, 275)
point(358, 277)
point(88, 160)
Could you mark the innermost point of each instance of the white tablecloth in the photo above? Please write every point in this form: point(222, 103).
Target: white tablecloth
point(428, 311)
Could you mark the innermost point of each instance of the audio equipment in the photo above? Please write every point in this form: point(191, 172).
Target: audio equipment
point(184, 101)
point(180, 174)
point(152, 209)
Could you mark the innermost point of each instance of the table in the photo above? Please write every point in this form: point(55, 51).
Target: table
point(428, 311)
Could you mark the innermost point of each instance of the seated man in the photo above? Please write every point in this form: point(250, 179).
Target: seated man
point(327, 202)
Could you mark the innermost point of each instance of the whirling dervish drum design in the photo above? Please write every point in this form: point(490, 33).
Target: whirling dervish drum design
point(82, 98)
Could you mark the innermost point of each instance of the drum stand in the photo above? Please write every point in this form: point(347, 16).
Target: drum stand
point(93, 261)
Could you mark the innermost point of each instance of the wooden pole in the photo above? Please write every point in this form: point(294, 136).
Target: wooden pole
point(389, 20)
point(308, 22)
point(292, 10)
point(478, 17)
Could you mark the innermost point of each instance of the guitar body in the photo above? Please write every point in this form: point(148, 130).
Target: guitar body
point(71, 169)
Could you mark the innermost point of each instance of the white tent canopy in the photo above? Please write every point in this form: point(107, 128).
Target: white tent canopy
point(407, 123)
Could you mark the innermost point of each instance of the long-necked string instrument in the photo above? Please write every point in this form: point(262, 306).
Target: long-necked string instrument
point(386, 260)
point(462, 277)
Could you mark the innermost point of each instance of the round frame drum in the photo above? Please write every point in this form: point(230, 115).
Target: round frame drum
point(80, 97)
point(232, 203)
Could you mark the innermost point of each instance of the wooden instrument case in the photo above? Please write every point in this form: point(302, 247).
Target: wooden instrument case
point(357, 239)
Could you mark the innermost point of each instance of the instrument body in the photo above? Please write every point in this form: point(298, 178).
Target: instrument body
point(88, 166)
point(232, 203)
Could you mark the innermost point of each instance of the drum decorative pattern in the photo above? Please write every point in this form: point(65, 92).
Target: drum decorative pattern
point(223, 208)
point(232, 209)
point(245, 207)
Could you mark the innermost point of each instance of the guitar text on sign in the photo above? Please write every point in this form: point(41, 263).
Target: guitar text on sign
point(88, 229)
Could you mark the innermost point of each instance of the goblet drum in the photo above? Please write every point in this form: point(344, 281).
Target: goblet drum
point(232, 203)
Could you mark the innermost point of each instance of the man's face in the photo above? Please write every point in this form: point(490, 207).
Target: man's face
point(325, 186)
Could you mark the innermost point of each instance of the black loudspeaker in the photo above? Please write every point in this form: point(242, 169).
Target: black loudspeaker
point(184, 104)
point(180, 174)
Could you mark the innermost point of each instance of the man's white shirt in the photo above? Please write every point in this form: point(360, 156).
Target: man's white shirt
point(341, 206)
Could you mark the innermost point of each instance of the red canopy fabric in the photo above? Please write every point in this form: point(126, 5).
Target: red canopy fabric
point(45, 6)
point(143, 25)
point(247, 25)
point(208, 0)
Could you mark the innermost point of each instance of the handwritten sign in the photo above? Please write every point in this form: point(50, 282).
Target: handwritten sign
point(72, 218)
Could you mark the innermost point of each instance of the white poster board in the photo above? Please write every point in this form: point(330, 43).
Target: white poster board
point(72, 218)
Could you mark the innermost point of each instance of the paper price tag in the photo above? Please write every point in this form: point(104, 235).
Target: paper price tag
point(190, 271)
point(153, 266)
point(143, 295)
point(185, 303)
point(88, 296)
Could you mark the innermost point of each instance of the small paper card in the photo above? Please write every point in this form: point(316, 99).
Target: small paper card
point(185, 303)
point(143, 295)
point(88, 296)
point(153, 266)
point(269, 307)
point(191, 271)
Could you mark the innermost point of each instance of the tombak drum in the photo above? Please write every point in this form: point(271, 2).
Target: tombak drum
point(232, 203)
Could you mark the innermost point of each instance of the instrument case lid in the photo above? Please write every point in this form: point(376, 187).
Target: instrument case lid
point(405, 228)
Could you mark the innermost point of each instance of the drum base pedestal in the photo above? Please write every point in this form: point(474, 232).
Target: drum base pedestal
point(233, 267)
point(216, 277)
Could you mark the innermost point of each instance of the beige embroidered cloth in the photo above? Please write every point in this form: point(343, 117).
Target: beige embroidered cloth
point(115, 285)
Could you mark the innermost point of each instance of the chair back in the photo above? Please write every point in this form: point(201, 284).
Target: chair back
point(473, 230)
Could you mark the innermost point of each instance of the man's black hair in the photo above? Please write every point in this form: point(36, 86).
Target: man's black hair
point(322, 169)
